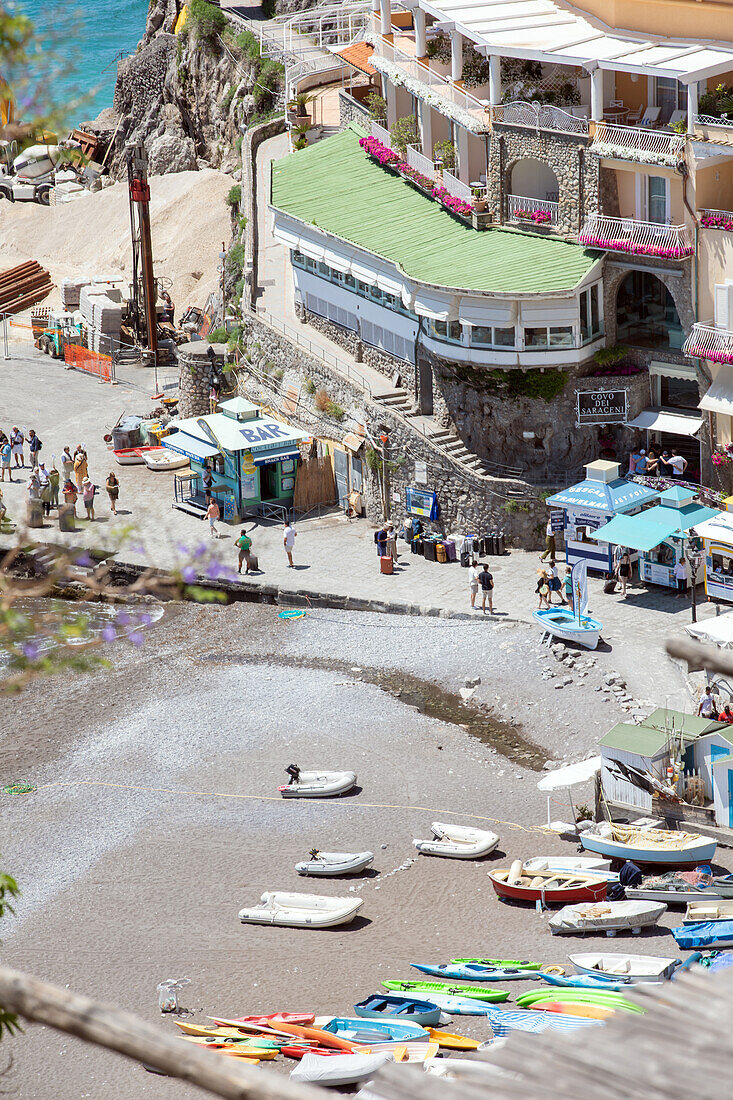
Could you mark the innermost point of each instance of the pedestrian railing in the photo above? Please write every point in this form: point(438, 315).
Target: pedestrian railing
point(417, 160)
point(637, 143)
point(455, 187)
point(540, 116)
point(523, 210)
point(669, 242)
point(706, 341)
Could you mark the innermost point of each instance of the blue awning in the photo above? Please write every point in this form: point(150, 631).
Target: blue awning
point(267, 457)
point(189, 446)
point(648, 529)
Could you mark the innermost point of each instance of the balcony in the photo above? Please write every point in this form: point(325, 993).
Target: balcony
point(441, 86)
point(542, 116)
point(717, 219)
point(532, 212)
point(669, 242)
point(708, 342)
point(638, 144)
point(717, 130)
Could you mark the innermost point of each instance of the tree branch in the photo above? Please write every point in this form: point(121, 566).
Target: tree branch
point(110, 1027)
point(701, 656)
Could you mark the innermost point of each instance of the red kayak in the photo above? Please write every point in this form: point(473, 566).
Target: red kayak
point(280, 1026)
point(296, 1051)
point(549, 887)
point(302, 1018)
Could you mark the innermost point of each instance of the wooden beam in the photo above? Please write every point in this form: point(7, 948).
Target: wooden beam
point(111, 1027)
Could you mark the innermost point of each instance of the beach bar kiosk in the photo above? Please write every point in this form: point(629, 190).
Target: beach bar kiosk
point(717, 535)
point(592, 503)
point(253, 459)
point(662, 534)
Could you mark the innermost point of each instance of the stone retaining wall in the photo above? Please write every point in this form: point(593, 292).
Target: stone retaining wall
point(253, 138)
point(351, 110)
point(363, 353)
point(194, 376)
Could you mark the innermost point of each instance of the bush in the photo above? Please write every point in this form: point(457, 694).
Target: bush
point(445, 152)
point(377, 107)
point(335, 411)
point(309, 386)
point(514, 506)
point(718, 102)
point(248, 44)
point(322, 400)
point(439, 48)
point(404, 133)
point(205, 19)
point(235, 195)
point(235, 261)
point(218, 336)
point(606, 357)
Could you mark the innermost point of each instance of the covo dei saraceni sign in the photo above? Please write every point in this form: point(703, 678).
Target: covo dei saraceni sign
point(602, 406)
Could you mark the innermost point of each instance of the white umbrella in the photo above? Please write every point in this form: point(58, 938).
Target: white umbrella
point(572, 776)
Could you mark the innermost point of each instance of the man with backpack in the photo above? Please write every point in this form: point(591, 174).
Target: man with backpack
point(34, 446)
point(486, 581)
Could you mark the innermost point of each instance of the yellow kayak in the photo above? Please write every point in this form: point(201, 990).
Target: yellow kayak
point(253, 1054)
point(453, 1042)
point(213, 1032)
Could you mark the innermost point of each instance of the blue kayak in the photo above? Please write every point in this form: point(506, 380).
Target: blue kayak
point(375, 1031)
point(709, 933)
point(585, 981)
point(475, 972)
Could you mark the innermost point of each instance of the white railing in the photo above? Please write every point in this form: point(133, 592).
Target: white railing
point(380, 133)
point(521, 210)
point(438, 84)
point(634, 142)
point(420, 162)
point(717, 219)
point(670, 242)
point(710, 120)
point(454, 186)
point(540, 116)
point(708, 342)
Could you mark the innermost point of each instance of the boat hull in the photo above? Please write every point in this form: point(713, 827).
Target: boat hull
point(564, 624)
point(301, 911)
point(671, 897)
point(638, 968)
point(613, 916)
point(589, 891)
point(670, 857)
point(383, 1030)
point(319, 785)
point(335, 863)
point(427, 1017)
point(714, 933)
point(475, 973)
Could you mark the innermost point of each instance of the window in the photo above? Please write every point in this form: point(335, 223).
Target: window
point(535, 338)
point(679, 393)
point(671, 97)
point(446, 330)
point(561, 337)
point(324, 269)
point(590, 313)
point(656, 204)
point(646, 316)
point(310, 265)
point(349, 282)
point(298, 258)
point(504, 337)
point(482, 336)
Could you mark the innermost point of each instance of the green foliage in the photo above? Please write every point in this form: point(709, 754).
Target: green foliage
point(439, 48)
point(268, 9)
point(334, 411)
point(279, 374)
point(247, 44)
point(404, 133)
point(476, 69)
point(309, 386)
point(301, 102)
point(445, 152)
point(377, 107)
point(512, 507)
point(200, 594)
point(218, 335)
point(514, 384)
point(267, 78)
point(234, 263)
point(235, 195)
point(235, 337)
point(205, 20)
point(717, 103)
point(373, 459)
point(605, 357)
point(227, 101)
point(523, 80)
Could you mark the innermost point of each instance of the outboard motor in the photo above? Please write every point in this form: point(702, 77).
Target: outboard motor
point(294, 772)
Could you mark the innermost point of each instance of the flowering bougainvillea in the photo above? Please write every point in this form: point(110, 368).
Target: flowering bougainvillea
point(539, 217)
point(387, 157)
point(613, 244)
point(381, 153)
point(723, 455)
point(721, 220)
point(417, 177)
point(450, 202)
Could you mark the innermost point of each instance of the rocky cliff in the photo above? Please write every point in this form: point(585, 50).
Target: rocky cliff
point(187, 94)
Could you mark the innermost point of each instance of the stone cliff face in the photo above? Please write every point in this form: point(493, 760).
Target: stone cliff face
point(185, 95)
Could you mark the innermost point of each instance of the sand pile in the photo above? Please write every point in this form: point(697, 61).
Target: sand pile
point(91, 236)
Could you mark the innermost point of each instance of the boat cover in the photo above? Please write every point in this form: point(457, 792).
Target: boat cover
point(705, 934)
point(590, 916)
point(339, 1069)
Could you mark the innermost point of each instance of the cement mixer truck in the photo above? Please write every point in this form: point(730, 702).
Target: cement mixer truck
point(32, 176)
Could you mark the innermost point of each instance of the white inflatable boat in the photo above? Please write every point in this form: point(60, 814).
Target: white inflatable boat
point(319, 785)
point(301, 910)
point(334, 863)
point(606, 916)
point(339, 1069)
point(162, 458)
point(457, 842)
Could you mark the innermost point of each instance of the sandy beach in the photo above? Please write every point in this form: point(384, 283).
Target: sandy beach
point(157, 817)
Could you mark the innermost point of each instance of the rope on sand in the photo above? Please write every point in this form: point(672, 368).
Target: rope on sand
point(275, 798)
point(19, 788)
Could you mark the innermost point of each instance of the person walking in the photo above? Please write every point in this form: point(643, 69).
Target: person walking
point(70, 495)
point(391, 542)
point(34, 446)
point(486, 581)
point(244, 542)
point(5, 455)
point(623, 572)
point(549, 542)
point(473, 582)
point(112, 486)
point(67, 464)
point(213, 514)
point(681, 573)
point(88, 489)
point(54, 478)
point(567, 584)
point(543, 590)
point(554, 582)
point(707, 708)
point(81, 469)
point(289, 534)
point(17, 439)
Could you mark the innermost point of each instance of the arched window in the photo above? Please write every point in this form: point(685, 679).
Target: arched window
point(646, 316)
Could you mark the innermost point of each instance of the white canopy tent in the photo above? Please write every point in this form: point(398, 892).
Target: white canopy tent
point(718, 630)
point(563, 779)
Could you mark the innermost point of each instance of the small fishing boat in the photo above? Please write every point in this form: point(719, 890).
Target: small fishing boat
point(696, 937)
point(453, 1042)
point(383, 1030)
point(548, 887)
point(699, 911)
point(562, 622)
point(130, 456)
point(444, 989)
point(646, 845)
point(475, 972)
point(342, 1069)
point(637, 968)
point(334, 863)
point(301, 910)
point(588, 865)
point(161, 458)
point(457, 842)
point(379, 1005)
point(319, 785)
point(514, 964)
point(675, 888)
point(609, 917)
point(313, 1034)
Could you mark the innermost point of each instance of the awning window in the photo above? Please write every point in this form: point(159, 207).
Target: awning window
point(660, 420)
point(434, 306)
point(487, 311)
point(719, 398)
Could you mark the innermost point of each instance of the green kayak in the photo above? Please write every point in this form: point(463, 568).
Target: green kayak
point(513, 964)
point(577, 996)
point(474, 992)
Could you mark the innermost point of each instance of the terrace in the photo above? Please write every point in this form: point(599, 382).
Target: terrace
point(707, 341)
point(669, 242)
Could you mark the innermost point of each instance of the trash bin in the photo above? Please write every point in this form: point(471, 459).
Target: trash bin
point(66, 517)
point(34, 513)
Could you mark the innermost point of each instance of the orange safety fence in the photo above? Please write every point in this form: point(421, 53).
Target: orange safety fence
point(93, 362)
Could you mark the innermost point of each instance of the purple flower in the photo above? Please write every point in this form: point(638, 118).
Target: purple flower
point(146, 620)
point(123, 618)
point(135, 637)
point(213, 570)
point(83, 559)
point(31, 651)
point(138, 548)
point(109, 634)
point(189, 574)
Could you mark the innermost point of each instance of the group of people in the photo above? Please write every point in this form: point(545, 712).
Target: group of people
point(548, 582)
point(710, 708)
point(386, 541)
point(12, 446)
point(657, 465)
point(249, 559)
point(485, 581)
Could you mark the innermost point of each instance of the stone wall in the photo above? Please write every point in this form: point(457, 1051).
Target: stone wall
point(251, 142)
point(194, 376)
point(466, 500)
point(350, 110)
point(567, 155)
point(386, 364)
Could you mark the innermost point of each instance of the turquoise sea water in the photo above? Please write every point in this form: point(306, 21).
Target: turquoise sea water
point(87, 35)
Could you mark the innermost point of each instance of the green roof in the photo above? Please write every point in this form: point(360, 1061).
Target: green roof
point(690, 724)
point(335, 186)
point(638, 739)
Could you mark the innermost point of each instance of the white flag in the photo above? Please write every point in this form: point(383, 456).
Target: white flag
point(580, 586)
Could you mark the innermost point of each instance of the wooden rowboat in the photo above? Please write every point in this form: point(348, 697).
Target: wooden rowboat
point(549, 887)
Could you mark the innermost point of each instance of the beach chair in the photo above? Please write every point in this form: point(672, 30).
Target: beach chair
point(650, 116)
point(675, 117)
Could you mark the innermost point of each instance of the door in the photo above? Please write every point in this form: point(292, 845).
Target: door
point(425, 387)
point(730, 797)
point(341, 475)
point(268, 481)
point(357, 477)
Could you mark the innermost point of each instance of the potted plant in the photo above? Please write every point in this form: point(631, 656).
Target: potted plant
point(479, 199)
point(298, 106)
point(299, 134)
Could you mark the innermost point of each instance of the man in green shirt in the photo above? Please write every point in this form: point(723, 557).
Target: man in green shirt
point(244, 542)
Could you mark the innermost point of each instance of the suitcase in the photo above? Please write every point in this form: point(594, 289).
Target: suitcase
point(414, 546)
point(253, 562)
point(465, 559)
point(610, 585)
point(450, 549)
point(421, 546)
point(429, 550)
point(386, 564)
point(441, 553)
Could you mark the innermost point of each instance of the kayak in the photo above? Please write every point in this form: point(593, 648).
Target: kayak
point(586, 981)
point(452, 1042)
point(230, 1047)
point(214, 1031)
point(476, 972)
point(585, 1012)
point(459, 1006)
point(317, 1034)
point(519, 964)
point(541, 997)
point(479, 993)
